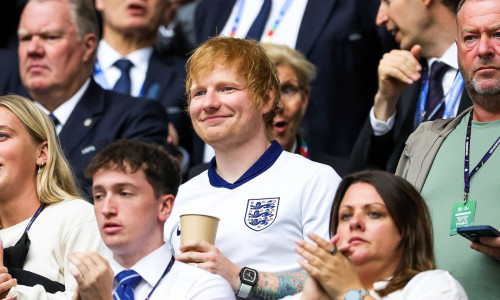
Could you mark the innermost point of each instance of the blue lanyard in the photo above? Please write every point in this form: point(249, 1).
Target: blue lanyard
point(101, 79)
point(467, 175)
point(170, 264)
point(38, 211)
point(275, 25)
point(456, 89)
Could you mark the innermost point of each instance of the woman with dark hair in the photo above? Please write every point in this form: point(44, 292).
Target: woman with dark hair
point(382, 245)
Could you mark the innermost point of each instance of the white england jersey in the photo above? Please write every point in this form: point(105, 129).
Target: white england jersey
point(261, 218)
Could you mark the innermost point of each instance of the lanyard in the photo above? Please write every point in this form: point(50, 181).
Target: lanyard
point(170, 264)
point(456, 89)
point(38, 211)
point(275, 25)
point(101, 79)
point(467, 175)
point(304, 150)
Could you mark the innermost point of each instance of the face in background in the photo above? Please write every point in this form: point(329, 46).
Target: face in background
point(294, 100)
point(19, 156)
point(366, 225)
point(51, 56)
point(405, 19)
point(221, 108)
point(478, 42)
point(129, 216)
point(132, 16)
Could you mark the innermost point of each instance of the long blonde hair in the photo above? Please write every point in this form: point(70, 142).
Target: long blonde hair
point(56, 181)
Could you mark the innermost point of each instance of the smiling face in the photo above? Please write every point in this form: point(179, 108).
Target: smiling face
point(52, 59)
point(293, 106)
point(137, 17)
point(478, 42)
point(405, 19)
point(19, 156)
point(129, 216)
point(367, 227)
point(221, 109)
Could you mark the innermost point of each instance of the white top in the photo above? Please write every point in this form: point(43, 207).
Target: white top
point(288, 29)
point(301, 192)
point(182, 281)
point(60, 229)
point(63, 111)
point(428, 285)
point(450, 59)
point(107, 56)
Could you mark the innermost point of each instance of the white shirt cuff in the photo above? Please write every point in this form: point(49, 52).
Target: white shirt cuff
point(380, 127)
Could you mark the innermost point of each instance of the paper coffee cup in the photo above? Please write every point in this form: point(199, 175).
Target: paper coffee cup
point(198, 227)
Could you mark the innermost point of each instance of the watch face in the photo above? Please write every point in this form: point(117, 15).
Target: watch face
point(249, 275)
point(358, 294)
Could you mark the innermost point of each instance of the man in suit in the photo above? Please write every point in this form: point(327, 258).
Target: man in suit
point(338, 36)
point(57, 41)
point(425, 32)
point(129, 35)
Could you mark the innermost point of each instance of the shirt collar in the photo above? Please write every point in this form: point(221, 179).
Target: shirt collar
point(150, 267)
point(64, 110)
point(107, 56)
point(449, 57)
point(262, 164)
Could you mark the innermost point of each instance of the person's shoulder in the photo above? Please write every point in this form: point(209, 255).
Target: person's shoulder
point(73, 210)
point(291, 161)
point(200, 180)
point(202, 281)
point(72, 204)
point(435, 283)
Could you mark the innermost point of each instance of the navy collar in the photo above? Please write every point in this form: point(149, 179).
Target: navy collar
point(260, 166)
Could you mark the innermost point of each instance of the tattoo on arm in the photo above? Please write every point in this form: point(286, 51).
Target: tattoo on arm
point(273, 286)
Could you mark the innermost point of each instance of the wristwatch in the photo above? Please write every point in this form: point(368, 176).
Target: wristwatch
point(355, 294)
point(248, 278)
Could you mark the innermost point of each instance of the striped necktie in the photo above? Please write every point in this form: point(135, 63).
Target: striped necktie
point(127, 281)
point(434, 104)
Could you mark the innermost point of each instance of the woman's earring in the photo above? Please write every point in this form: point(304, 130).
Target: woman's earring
point(39, 171)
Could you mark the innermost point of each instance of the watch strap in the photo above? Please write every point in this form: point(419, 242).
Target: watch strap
point(244, 290)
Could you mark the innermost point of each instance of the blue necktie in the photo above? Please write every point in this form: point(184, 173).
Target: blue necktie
point(127, 281)
point(435, 94)
point(123, 84)
point(54, 120)
point(257, 28)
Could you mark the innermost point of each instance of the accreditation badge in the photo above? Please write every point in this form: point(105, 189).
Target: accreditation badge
point(462, 215)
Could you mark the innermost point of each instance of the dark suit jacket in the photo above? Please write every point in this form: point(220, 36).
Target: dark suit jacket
point(341, 39)
point(101, 117)
point(165, 82)
point(10, 82)
point(383, 152)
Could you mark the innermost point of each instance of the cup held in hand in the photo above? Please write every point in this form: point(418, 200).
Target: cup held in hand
point(198, 227)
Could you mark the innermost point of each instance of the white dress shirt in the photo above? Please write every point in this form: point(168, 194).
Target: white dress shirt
point(286, 32)
point(182, 282)
point(107, 56)
point(63, 112)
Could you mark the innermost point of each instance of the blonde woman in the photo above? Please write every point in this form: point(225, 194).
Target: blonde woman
point(42, 217)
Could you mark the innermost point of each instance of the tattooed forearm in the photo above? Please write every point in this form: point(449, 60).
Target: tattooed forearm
point(273, 286)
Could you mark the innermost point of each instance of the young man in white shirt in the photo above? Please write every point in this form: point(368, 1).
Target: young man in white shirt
point(134, 185)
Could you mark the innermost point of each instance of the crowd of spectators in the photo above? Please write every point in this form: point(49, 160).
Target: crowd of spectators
point(317, 131)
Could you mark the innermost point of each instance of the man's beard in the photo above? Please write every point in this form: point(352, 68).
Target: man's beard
point(487, 96)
